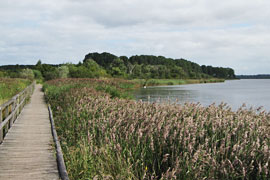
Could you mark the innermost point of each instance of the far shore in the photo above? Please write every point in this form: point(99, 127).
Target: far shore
point(162, 82)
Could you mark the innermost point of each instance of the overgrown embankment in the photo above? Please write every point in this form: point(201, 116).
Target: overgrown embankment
point(106, 137)
point(10, 87)
point(159, 82)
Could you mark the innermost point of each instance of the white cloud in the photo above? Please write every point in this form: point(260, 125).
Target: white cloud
point(232, 33)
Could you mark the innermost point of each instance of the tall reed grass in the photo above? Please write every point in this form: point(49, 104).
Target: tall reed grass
point(105, 138)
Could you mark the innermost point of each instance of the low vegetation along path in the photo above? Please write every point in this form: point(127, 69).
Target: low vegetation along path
point(27, 151)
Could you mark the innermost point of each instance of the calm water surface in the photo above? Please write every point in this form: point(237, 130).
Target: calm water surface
point(254, 93)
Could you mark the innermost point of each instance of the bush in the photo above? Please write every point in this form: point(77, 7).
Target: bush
point(3, 74)
point(37, 74)
point(27, 74)
point(49, 75)
point(63, 72)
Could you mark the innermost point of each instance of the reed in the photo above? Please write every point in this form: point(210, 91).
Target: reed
point(113, 138)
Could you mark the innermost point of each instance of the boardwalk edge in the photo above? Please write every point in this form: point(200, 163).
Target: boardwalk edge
point(59, 155)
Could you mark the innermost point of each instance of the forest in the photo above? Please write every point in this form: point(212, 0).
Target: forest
point(96, 65)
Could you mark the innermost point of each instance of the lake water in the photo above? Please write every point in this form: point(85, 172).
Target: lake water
point(254, 93)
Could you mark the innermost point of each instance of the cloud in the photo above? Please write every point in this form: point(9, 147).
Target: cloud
point(220, 33)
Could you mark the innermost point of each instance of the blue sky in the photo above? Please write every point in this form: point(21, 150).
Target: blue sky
point(231, 33)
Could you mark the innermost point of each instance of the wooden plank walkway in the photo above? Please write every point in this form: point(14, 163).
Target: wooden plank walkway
point(28, 151)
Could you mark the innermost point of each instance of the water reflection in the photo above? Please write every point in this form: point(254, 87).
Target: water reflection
point(161, 94)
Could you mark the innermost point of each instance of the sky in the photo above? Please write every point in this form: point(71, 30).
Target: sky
point(231, 33)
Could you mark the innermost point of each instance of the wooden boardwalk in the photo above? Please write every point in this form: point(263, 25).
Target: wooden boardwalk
point(28, 150)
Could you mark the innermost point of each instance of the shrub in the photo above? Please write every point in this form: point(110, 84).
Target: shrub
point(37, 74)
point(63, 72)
point(27, 74)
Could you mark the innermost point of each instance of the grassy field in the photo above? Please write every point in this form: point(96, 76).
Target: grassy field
point(10, 87)
point(158, 82)
point(106, 137)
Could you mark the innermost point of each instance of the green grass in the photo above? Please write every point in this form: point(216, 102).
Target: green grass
point(158, 82)
point(10, 87)
point(106, 137)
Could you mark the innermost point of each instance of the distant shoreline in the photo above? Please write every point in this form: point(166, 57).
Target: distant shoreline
point(258, 76)
point(161, 82)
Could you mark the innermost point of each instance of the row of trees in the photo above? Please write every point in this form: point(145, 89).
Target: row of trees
point(88, 69)
point(146, 66)
point(108, 65)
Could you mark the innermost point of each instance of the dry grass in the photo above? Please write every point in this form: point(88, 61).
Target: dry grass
point(105, 138)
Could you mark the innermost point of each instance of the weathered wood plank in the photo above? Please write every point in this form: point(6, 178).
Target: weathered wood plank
point(1, 130)
point(27, 151)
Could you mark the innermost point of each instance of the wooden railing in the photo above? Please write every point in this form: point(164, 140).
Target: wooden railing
point(59, 154)
point(10, 110)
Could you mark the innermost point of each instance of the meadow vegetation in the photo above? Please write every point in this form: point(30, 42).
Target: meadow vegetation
point(10, 87)
point(159, 82)
point(106, 136)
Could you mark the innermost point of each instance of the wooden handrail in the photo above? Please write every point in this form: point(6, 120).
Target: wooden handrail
point(10, 110)
point(59, 155)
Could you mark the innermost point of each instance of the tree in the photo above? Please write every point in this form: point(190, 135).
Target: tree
point(118, 68)
point(89, 69)
point(63, 71)
point(124, 58)
point(80, 72)
point(94, 68)
point(27, 74)
point(39, 63)
point(130, 67)
point(104, 59)
point(137, 71)
point(51, 73)
point(37, 74)
point(177, 72)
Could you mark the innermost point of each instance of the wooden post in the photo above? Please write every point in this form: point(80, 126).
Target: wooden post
point(7, 125)
point(1, 130)
point(11, 119)
point(16, 105)
point(13, 112)
point(20, 100)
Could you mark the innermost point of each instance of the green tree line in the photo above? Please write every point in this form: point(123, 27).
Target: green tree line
point(105, 64)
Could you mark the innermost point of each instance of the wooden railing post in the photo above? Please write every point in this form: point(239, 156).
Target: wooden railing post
point(14, 105)
point(11, 120)
point(20, 101)
point(5, 116)
point(18, 108)
point(1, 129)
